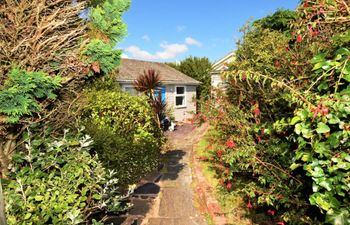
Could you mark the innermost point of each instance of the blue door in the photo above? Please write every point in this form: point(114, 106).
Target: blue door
point(162, 91)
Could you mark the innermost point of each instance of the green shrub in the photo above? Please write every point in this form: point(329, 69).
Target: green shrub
point(125, 132)
point(22, 91)
point(59, 182)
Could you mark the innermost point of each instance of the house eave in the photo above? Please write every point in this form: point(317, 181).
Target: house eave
point(165, 82)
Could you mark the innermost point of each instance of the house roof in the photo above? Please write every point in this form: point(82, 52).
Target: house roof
point(130, 69)
point(221, 64)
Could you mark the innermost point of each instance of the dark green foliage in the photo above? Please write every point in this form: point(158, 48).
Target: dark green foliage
point(125, 132)
point(59, 182)
point(23, 91)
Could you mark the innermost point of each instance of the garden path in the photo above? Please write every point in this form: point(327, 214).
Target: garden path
point(175, 203)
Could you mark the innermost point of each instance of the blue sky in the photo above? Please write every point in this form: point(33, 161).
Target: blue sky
point(171, 30)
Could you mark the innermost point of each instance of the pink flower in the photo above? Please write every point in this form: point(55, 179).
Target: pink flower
point(280, 223)
point(249, 205)
point(229, 185)
point(271, 212)
point(299, 38)
point(230, 143)
point(277, 64)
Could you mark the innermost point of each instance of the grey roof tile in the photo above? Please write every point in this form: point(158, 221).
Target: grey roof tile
point(130, 69)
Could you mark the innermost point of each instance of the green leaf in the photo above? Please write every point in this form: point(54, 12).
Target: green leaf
point(97, 196)
point(346, 70)
point(318, 66)
point(346, 77)
point(294, 166)
point(333, 140)
point(339, 217)
point(306, 132)
point(322, 148)
point(343, 51)
point(318, 58)
point(294, 120)
point(27, 216)
point(317, 172)
point(323, 86)
point(333, 119)
point(322, 128)
point(39, 198)
point(297, 129)
point(326, 184)
point(306, 157)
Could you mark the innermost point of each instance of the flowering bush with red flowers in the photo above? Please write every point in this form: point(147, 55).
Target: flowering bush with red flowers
point(283, 126)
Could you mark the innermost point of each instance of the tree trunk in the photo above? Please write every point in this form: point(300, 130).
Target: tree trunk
point(2, 207)
point(7, 147)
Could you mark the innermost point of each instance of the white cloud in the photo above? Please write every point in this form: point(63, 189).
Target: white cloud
point(146, 37)
point(169, 51)
point(138, 53)
point(180, 28)
point(124, 56)
point(192, 41)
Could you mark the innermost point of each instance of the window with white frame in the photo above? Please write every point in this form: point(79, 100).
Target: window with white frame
point(130, 89)
point(180, 96)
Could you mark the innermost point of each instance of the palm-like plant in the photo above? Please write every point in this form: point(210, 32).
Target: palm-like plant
point(148, 83)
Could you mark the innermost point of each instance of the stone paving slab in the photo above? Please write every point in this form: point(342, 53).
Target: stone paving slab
point(176, 203)
point(176, 221)
point(140, 206)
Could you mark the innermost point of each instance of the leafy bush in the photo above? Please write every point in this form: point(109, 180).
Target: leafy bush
point(59, 182)
point(244, 156)
point(125, 132)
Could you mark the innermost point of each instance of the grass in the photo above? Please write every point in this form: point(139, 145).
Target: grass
point(231, 203)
